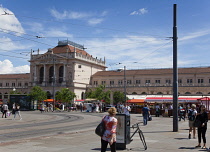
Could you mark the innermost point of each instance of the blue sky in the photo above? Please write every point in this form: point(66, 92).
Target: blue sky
point(122, 31)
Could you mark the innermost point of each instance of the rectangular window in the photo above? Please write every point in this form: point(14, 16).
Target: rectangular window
point(19, 84)
point(79, 66)
point(200, 80)
point(168, 81)
point(95, 82)
point(120, 82)
point(111, 82)
point(179, 80)
point(26, 84)
point(157, 81)
point(7, 84)
point(189, 81)
point(129, 82)
point(103, 82)
point(138, 81)
point(147, 81)
point(0, 84)
point(13, 84)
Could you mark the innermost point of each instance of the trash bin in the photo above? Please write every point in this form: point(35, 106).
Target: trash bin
point(123, 131)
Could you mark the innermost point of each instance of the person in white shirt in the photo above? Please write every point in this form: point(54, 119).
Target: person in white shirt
point(126, 109)
point(5, 109)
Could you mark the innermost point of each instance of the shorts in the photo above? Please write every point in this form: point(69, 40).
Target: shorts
point(191, 123)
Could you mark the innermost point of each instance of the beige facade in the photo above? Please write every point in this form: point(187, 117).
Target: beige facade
point(191, 81)
point(65, 66)
point(68, 65)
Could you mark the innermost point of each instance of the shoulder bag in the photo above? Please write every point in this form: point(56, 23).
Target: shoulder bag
point(100, 129)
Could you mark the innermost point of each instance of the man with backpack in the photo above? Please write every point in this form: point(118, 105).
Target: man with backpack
point(191, 117)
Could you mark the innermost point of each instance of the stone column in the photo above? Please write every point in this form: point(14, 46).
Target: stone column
point(44, 79)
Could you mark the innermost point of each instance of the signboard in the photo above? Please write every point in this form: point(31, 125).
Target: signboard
point(120, 128)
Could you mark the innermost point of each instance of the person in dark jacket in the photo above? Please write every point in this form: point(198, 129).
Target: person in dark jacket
point(203, 117)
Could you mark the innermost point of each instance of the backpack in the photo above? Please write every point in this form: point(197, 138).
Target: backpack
point(191, 117)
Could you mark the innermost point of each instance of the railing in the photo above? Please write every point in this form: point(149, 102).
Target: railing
point(151, 85)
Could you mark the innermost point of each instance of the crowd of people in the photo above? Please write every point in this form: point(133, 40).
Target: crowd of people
point(6, 112)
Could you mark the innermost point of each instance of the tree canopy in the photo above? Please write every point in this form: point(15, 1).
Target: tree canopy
point(65, 95)
point(38, 94)
point(99, 93)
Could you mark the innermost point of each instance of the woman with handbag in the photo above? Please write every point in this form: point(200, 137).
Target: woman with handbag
point(203, 117)
point(109, 135)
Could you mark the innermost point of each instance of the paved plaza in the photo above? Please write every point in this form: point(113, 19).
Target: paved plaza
point(158, 134)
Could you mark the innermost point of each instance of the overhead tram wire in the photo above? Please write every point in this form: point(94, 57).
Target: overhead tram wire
point(155, 50)
point(20, 33)
point(13, 56)
point(104, 28)
point(29, 39)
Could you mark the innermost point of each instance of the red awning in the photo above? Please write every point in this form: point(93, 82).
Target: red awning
point(170, 99)
point(136, 101)
point(49, 100)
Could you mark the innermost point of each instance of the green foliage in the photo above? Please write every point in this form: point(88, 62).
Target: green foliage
point(65, 95)
point(15, 92)
point(118, 97)
point(99, 93)
point(38, 94)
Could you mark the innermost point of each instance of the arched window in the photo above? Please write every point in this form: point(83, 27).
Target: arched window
point(48, 95)
point(187, 93)
point(134, 93)
point(41, 75)
point(199, 93)
point(61, 74)
point(143, 93)
point(83, 95)
point(51, 74)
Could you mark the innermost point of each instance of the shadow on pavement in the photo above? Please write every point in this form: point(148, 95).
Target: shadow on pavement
point(180, 138)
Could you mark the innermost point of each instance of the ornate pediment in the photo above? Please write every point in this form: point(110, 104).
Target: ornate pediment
point(48, 58)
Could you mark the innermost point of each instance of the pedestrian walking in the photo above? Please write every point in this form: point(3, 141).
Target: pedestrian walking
point(145, 113)
point(203, 117)
point(109, 136)
point(157, 110)
point(192, 113)
point(17, 111)
point(4, 109)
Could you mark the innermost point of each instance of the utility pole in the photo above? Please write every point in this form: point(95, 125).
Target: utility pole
point(175, 74)
point(53, 81)
point(125, 84)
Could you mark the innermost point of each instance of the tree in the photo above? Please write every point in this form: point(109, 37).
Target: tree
point(38, 94)
point(65, 95)
point(118, 97)
point(99, 93)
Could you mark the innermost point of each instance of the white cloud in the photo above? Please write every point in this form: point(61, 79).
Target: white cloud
point(139, 12)
point(7, 45)
point(194, 35)
point(95, 21)
point(91, 18)
point(147, 50)
point(56, 33)
point(10, 22)
point(69, 14)
point(6, 67)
